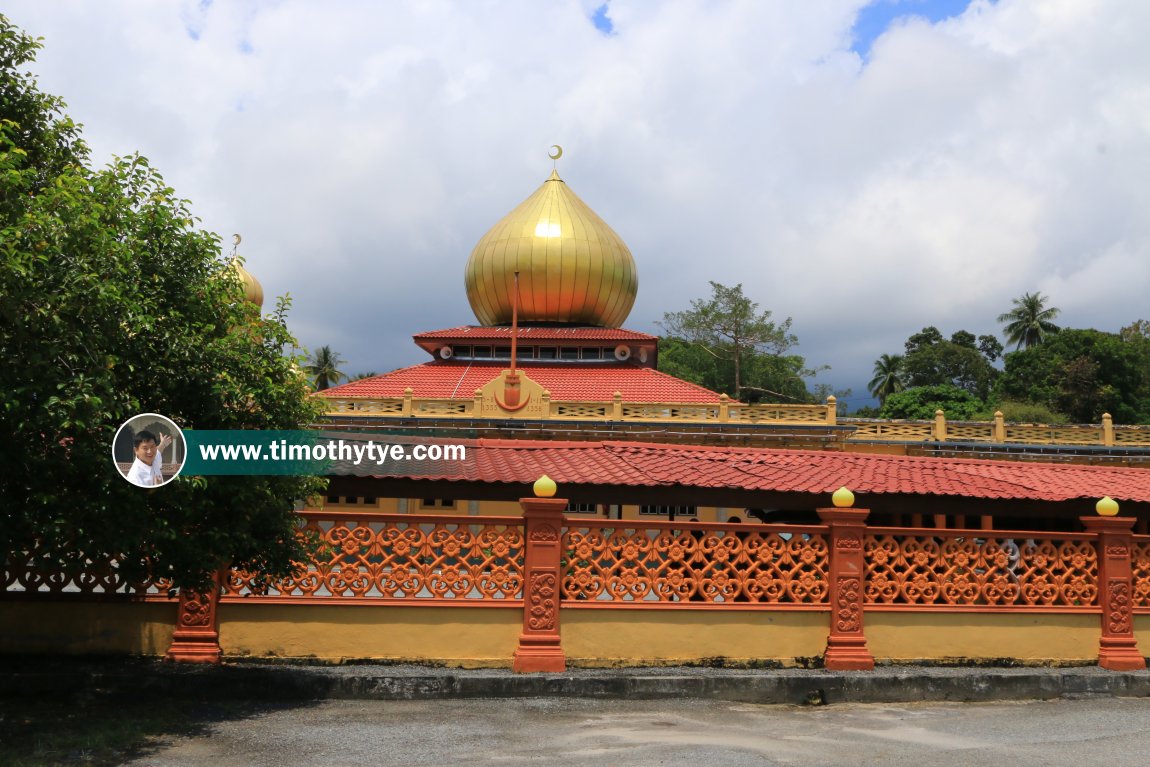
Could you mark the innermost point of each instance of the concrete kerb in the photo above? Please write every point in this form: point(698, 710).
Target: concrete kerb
point(260, 682)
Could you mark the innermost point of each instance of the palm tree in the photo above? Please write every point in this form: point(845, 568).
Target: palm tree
point(887, 377)
point(324, 368)
point(1029, 322)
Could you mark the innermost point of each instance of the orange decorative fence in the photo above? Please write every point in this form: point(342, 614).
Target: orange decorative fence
point(381, 558)
point(1140, 566)
point(88, 580)
point(975, 569)
point(543, 561)
point(658, 563)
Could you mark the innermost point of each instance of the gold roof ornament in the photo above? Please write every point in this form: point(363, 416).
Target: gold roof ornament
point(253, 291)
point(572, 266)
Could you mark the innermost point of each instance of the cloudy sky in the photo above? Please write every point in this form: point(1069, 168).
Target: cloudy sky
point(865, 168)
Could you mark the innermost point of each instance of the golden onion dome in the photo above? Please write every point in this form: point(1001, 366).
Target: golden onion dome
point(253, 291)
point(572, 267)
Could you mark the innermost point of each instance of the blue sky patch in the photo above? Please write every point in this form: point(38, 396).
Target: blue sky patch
point(875, 18)
point(602, 21)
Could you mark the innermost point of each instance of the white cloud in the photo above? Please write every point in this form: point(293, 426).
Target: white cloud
point(362, 148)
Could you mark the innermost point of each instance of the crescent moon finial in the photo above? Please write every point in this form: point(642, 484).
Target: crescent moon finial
point(555, 152)
point(236, 239)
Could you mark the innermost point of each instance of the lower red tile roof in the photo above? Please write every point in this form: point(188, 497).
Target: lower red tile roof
point(597, 383)
point(654, 465)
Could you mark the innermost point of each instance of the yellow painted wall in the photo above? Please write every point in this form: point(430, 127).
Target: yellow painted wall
point(875, 448)
point(704, 513)
point(358, 503)
point(939, 636)
point(87, 628)
point(634, 637)
point(470, 637)
point(511, 509)
point(500, 508)
point(1142, 634)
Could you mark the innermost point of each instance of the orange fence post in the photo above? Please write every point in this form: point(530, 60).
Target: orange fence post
point(1117, 649)
point(539, 646)
point(197, 635)
point(846, 643)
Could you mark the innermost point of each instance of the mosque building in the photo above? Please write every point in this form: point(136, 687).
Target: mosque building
point(549, 381)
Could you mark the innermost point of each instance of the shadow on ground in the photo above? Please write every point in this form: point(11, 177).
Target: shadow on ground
point(84, 713)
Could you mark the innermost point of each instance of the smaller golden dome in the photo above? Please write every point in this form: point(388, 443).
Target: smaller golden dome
point(253, 291)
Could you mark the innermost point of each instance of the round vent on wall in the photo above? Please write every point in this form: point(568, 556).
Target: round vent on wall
point(445, 352)
point(622, 353)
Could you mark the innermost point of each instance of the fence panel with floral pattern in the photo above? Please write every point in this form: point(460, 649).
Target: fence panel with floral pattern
point(627, 562)
point(975, 569)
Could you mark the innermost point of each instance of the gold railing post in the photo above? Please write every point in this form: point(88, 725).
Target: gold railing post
point(832, 410)
point(939, 426)
point(1107, 429)
point(477, 404)
point(545, 405)
point(617, 406)
point(724, 407)
point(999, 427)
point(407, 401)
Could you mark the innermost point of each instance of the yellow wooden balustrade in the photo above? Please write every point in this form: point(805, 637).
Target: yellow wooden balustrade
point(726, 411)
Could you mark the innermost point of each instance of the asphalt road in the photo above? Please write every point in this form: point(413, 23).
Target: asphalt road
point(1100, 731)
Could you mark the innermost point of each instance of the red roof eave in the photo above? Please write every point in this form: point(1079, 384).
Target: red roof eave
point(638, 464)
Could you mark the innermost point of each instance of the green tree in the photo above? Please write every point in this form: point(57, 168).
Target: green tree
point(1083, 373)
point(1136, 331)
point(931, 360)
point(887, 379)
point(730, 328)
point(324, 368)
point(112, 303)
point(1030, 321)
point(920, 403)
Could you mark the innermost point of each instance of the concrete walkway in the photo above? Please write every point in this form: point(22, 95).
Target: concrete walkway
point(560, 732)
point(260, 682)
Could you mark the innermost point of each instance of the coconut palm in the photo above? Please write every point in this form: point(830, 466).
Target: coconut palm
point(324, 368)
point(887, 377)
point(1029, 322)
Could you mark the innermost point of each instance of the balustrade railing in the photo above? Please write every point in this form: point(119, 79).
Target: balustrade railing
point(1140, 566)
point(647, 563)
point(997, 431)
point(976, 569)
point(400, 558)
point(33, 575)
point(543, 561)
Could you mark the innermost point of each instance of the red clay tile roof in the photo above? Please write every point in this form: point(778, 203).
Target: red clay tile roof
point(588, 382)
point(654, 465)
point(534, 333)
